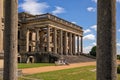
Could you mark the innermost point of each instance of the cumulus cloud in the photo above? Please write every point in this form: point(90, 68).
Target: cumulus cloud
point(94, 43)
point(91, 9)
point(94, 1)
point(89, 37)
point(87, 49)
point(94, 27)
point(118, 30)
point(118, 44)
point(118, 1)
point(34, 7)
point(58, 10)
point(74, 22)
point(87, 31)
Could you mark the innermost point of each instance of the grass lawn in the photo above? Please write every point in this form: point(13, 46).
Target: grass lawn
point(33, 65)
point(82, 73)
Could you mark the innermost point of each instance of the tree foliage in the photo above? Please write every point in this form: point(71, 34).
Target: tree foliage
point(93, 51)
point(118, 57)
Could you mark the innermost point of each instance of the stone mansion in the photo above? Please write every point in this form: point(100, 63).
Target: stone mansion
point(41, 37)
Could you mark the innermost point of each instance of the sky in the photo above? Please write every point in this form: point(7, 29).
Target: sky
point(80, 12)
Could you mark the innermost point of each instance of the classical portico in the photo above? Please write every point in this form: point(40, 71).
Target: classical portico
point(45, 34)
point(49, 34)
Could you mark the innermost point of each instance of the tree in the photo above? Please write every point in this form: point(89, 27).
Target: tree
point(118, 57)
point(93, 51)
point(10, 40)
point(106, 40)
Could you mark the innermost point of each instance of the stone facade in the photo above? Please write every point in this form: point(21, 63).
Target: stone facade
point(48, 34)
point(43, 36)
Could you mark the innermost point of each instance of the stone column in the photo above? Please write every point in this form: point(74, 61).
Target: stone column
point(73, 44)
point(11, 40)
point(81, 45)
point(70, 43)
point(78, 45)
point(27, 40)
point(65, 43)
point(37, 40)
point(106, 40)
point(55, 40)
point(61, 42)
point(48, 39)
point(1, 27)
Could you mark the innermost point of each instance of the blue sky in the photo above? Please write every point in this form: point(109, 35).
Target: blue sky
point(80, 12)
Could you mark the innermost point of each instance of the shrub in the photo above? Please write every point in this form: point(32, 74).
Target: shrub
point(93, 51)
point(118, 69)
point(118, 57)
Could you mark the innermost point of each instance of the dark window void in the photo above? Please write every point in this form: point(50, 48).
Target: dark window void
point(30, 36)
point(30, 48)
point(45, 48)
point(18, 34)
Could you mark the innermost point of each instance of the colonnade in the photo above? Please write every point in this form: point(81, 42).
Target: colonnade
point(59, 41)
point(64, 42)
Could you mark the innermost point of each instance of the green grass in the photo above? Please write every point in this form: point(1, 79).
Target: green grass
point(33, 65)
point(82, 73)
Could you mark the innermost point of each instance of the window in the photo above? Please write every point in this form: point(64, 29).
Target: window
point(18, 34)
point(30, 48)
point(30, 36)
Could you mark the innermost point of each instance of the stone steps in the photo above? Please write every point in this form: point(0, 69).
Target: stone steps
point(77, 59)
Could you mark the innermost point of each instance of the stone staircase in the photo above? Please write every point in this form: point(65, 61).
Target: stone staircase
point(77, 59)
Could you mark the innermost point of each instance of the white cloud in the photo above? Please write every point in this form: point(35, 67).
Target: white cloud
point(74, 22)
point(87, 49)
point(87, 31)
point(89, 37)
point(95, 1)
point(118, 30)
point(118, 1)
point(58, 10)
point(94, 27)
point(118, 44)
point(94, 43)
point(34, 7)
point(91, 9)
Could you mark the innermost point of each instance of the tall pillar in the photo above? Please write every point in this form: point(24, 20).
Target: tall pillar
point(55, 40)
point(106, 40)
point(37, 40)
point(1, 26)
point(11, 40)
point(27, 40)
point(48, 39)
point(61, 42)
point(78, 45)
point(81, 45)
point(70, 43)
point(65, 43)
point(73, 44)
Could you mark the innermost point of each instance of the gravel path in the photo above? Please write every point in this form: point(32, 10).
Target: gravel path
point(53, 68)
